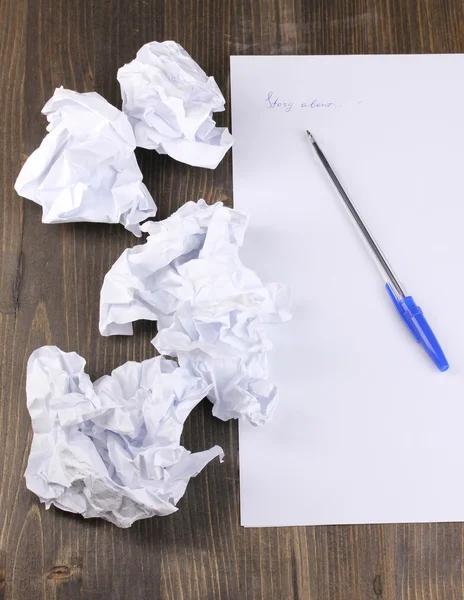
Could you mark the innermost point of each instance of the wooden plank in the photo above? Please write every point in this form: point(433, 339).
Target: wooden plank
point(50, 278)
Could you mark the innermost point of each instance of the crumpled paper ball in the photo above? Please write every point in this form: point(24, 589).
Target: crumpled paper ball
point(111, 449)
point(210, 308)
point(85, 168)
point(169, 100)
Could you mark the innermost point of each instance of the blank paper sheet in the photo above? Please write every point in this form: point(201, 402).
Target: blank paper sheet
point(367, 429)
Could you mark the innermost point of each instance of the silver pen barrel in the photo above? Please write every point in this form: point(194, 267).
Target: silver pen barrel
point(368, 237)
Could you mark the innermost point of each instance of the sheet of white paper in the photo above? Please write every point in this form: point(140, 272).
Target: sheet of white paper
point(111, 449)
point(367, 430)
point(85, 168)
point(169, 101)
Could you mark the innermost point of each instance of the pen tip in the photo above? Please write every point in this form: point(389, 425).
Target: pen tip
point(309, 134)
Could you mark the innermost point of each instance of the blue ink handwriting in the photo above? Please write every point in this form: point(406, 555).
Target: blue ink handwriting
point(317, 104)
point(274, 101)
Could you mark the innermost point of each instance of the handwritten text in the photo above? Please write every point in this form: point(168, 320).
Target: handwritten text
point(276, 102)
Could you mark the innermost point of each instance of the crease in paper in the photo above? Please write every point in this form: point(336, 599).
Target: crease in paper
point(169, 101)
point(210, 308)
point(111, 449)
point(85, 168)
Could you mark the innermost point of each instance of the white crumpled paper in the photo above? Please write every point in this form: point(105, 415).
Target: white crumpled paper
point(210, 308)
point(111, 449)
point(169, 100)
point(85, 168)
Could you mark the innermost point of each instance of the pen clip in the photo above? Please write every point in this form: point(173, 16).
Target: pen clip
point(404, 312)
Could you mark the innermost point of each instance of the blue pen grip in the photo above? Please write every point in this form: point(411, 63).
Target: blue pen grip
point(414, 319)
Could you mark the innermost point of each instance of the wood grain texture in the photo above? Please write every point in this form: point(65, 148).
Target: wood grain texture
point(50, 277)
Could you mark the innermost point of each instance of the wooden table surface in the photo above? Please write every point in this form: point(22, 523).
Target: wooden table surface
point(50, 279)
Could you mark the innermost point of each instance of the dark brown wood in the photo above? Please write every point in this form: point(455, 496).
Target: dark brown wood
point(50, 278)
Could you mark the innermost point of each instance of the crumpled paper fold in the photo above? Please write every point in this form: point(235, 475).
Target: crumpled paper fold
point(210, 308)
point(111, 449)
point(85, 168)
point(170, 100)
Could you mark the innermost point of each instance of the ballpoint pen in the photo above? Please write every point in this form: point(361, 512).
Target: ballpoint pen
point(410, 313)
